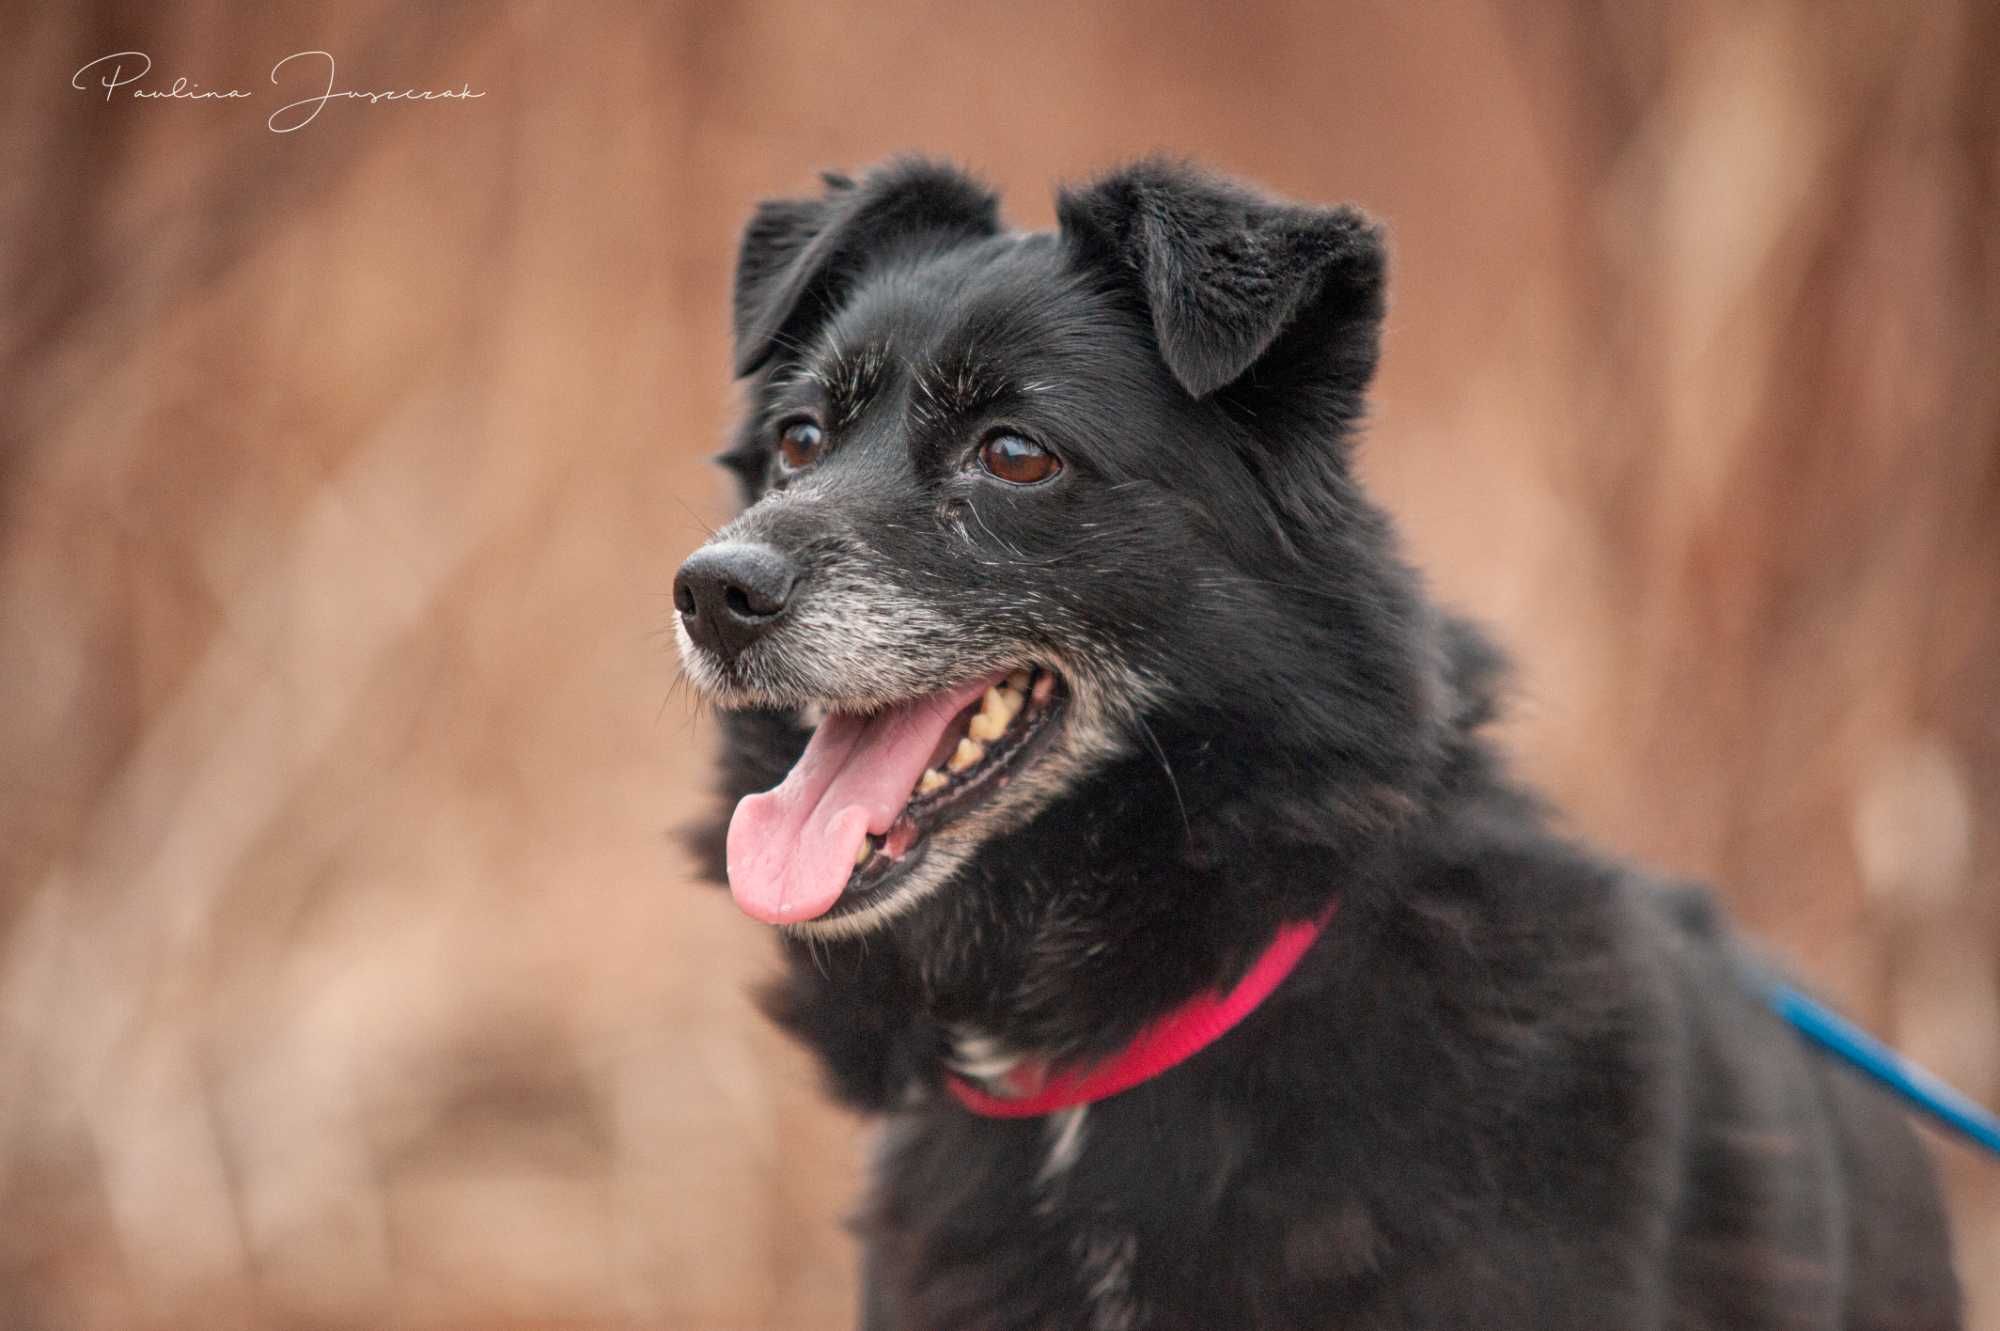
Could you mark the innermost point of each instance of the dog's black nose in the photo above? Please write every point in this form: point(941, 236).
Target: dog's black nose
point(732, 594)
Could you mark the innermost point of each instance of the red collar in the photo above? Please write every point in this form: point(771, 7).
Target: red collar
point(1173, 1038)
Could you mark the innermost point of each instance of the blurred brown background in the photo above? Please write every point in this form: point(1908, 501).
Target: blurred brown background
point(349, 975)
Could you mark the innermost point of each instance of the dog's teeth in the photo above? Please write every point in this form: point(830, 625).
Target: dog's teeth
point(1044, 687)
point(1002, 703)
point(864, 850)
point(967, 754)
point(931, 781)
point(1018, 681)
point(988, 726)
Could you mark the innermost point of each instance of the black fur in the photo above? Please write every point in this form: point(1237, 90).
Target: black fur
point(1515, 1085)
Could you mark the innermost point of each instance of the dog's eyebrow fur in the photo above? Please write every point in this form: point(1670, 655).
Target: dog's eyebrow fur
point(956, 385)
point(850, 379)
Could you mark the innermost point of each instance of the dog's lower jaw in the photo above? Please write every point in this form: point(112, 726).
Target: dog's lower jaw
point(939, 862)
point(1076, 742)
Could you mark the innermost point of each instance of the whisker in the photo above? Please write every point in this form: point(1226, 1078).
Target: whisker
point(699, 520)
point(1167, 767)
point(974, 508)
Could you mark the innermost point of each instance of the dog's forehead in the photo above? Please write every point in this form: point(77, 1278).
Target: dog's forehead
point(1004, 307)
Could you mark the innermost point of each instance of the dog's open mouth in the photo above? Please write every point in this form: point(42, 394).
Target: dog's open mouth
point(856, 811)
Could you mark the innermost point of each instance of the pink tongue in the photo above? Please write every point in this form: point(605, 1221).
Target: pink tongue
point(792, 848)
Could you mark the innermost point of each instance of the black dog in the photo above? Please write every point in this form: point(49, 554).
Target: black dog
point(1091, 685)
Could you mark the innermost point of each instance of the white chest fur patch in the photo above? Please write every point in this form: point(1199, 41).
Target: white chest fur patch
point(1065, 1136)
point(982, 1058)
point(985, 1060)
point(1104, 1264)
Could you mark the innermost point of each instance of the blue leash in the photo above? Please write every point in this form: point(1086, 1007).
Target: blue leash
point(1852, 1045)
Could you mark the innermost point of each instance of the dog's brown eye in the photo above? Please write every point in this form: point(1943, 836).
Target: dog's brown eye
point(799, 444)
point(1016, 460)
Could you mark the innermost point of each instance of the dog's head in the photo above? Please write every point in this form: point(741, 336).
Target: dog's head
point(1024, 507)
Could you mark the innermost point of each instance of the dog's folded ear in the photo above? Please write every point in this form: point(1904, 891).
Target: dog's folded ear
point(799, 255)
point(1233, 281)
